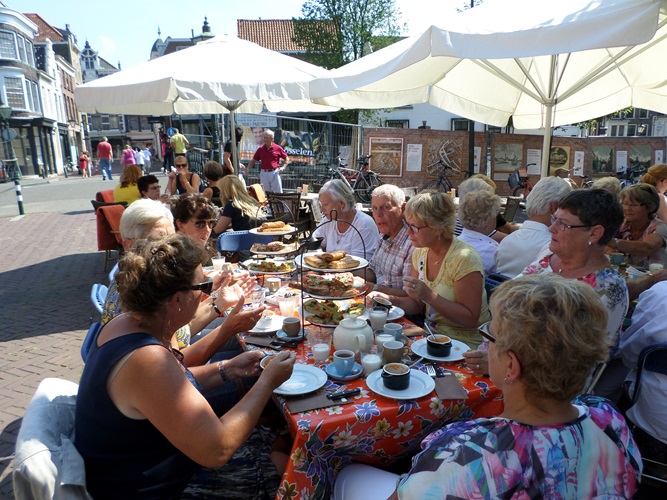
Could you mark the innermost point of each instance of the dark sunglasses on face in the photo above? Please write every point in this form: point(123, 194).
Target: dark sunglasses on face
point(205, 286)
point(484, 332)
point(181, 165)
point(201, 224)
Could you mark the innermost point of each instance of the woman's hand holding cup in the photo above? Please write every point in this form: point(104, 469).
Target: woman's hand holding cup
point(279, 369)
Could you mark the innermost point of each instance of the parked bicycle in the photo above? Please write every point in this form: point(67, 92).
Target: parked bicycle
point(520, 182)
point(361, 180)
point(442, 183)
point(630, 176)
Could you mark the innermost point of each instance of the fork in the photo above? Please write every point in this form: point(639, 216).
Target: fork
point(430, 371)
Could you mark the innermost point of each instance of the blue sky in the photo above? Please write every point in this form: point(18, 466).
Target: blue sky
point(124, 31)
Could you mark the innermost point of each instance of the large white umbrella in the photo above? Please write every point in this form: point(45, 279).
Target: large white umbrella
point(543, 64)
point(222, 75)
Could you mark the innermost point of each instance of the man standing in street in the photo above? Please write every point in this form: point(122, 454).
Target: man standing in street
point(105, 157)
point(179, 143)
point(270, 155)
point(147, 159)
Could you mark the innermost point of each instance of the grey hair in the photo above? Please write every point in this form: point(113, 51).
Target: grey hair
point(394, 193)
point(547, 191)
point(611, 184)
point(140, 218)
point(270, 132)
point(478, 208)
point(473, 184)
point(339, 192)
point(104, 139)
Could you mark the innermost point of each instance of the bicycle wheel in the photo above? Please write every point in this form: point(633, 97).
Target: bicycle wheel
point(435, 184)
point(365, 186)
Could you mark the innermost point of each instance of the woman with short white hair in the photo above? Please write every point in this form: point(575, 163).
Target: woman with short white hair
point(477, 213)
point(337, 202)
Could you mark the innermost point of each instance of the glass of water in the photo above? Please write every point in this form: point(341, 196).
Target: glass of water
point(257, 296)
point(378, 317)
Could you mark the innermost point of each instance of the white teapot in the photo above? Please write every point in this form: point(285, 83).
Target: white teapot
point(353, 334)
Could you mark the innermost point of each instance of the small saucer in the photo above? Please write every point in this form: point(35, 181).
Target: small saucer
point(333, 373)
point(282, 335)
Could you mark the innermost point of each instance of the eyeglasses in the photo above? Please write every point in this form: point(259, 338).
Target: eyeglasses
point(562, 226)
point(180, 165)
point(415, 229)
point(204, 286)
point(201, 224)
point(484, 332)
point(631, 205)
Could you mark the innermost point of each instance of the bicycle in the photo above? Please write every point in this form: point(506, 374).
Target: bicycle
point(520, 182)
point(442, 183)
point(362, 180)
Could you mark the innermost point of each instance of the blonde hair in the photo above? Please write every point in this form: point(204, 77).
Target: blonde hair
point(130, 175)
point(486, 179)
point(232, 189)
point(556, 327)
point(655, 174)
point(477, 208)
point(435, 209)
point(611, 184)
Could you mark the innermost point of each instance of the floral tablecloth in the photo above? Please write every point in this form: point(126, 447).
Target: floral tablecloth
point(372, 429)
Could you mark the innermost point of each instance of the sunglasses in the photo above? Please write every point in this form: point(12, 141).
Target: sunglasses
point(180, 165)
point(484, 332)
point(205, 286)
point(201, 224)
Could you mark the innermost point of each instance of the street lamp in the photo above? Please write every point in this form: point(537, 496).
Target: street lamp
point(5, 113)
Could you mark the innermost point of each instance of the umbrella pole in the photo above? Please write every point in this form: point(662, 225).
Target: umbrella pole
point(232, 135)
point(546, 143)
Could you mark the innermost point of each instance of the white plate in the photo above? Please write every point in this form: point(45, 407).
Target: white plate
point(281, 252)
point(271, 325)
point(343, 306)
point(359, 284)
point(299, 259)
point(304, 379)
point(456, 354)
point(394, 314)
point(253, 271)
point(282, 291)
point(420, 385)
point(255, 230)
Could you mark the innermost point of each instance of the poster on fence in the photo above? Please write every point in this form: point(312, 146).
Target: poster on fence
point(621, 161)
point(578, 163)
point(386, 156)
point(413, 162)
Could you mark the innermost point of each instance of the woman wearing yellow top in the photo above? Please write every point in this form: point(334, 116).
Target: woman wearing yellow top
point(447, 282)
point(127, 190)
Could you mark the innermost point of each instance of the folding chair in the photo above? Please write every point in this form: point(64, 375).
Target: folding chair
point(98, 296)
point(108, 230)
point(652, 359)
point(511, 208)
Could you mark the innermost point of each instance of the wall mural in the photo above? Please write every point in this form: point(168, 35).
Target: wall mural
point(386, 156)
point(449, 151)
point(603, 160)
point(508, 157)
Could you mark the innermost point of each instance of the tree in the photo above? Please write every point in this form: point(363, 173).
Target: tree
point(336, 32)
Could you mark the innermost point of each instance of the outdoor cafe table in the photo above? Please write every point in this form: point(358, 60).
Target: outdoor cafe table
point(372, 429)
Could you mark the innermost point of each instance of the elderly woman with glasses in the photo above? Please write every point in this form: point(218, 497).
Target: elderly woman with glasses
point(544, 444)
point(143, 426)
point(642, 236)
point(337, 202)
point(583, 224)
point(195, 217)
point(447, 281)
point(183, 181)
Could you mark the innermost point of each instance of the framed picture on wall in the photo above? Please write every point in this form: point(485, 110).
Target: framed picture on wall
point(508, 157)
point(449, 151)
point(639, 157)
point(603, 160)
point(559, 157)
point(386, 156)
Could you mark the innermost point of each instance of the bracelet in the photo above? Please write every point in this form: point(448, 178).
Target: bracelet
point(221, 370)
point(217, 309)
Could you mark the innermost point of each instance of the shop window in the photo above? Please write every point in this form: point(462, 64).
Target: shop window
point(7, 45)
point(14, 90)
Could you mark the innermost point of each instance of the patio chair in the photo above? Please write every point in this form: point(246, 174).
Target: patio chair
point(257, 192)
point(287, 207)
point(236, 244)
point(492, 281)
point(46, 462)
point(105, 196)
point(98, 296)
point(108, 233)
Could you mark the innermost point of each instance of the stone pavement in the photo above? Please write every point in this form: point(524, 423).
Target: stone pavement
point(48, 262)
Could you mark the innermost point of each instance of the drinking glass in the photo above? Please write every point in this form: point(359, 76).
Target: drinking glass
point(378, 317)
point(319, 342)
point(286, 305)
point(257, 297)
point(218, 262)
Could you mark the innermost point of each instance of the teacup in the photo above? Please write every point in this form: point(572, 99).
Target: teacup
point(395, 329)
point(616, 258)
point(382, 302)
point(343, 361)
point(396, 376)
point(266, 360)
point(392, 351)
point(292, 326)
point(273, 284)
point(439, 345)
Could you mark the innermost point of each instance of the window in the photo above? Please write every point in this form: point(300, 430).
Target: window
point(144, 123)
point(632, 130)
point(614, 130)
point(22, 54)
point(460, 124)
point(35, 96)
point(96, 122)
point(493, 129)
point(7, 45)
point(31, 51)
point(14, 89)
point(397, 123)
point(621, 130)
point(643, 113)
point(114, 123)
point(133, 122)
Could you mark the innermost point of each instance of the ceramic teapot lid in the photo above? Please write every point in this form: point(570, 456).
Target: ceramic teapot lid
point(352, 321)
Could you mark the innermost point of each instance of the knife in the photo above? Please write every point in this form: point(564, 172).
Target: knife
point(275, 348)
point(439, 370)
point(344, 394)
